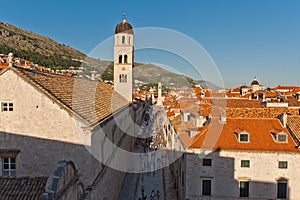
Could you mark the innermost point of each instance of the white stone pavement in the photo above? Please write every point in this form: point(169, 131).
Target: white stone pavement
point(159, 180)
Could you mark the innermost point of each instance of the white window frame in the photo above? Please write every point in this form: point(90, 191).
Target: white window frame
point(283, 161)
point(244, 133)
point(282, 134)
point(7, 106)
point(10, 172)
point(245, 166)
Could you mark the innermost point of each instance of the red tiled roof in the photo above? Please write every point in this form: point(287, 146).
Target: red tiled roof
point(293, 123)
point(243, 103)
point(91, 100)
point(292, 101)
point(259, 130)
point(276, 131)
point(259, 112)
point(22, 188)
point(3, 65)
point(286, 87)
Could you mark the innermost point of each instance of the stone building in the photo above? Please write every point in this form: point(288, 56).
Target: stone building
point(46, 118)
point(123, 59)
point(253, 158)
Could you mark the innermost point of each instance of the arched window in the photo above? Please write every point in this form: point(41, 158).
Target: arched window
point(125, 59)
point(125, 78)
point(129, 39)
point(120, 58)
point(120, 79)
point(123, 39)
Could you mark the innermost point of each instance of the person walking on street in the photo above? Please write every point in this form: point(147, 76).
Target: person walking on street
point(157, 194)
point(142, 189)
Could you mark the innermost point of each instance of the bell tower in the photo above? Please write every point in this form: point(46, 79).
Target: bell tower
point(123, 59)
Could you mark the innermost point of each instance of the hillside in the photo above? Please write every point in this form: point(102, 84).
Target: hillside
point(36, 48)
point(46, 52)
point(149, 74)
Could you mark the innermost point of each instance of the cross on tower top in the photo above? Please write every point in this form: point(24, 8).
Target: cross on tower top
point(124, 17)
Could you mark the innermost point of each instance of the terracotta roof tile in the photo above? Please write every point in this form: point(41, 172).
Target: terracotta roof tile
point(22, 188)
point(259, 130)
point(292, 101)
point(243, 103)
point(91, 100)
point(293, 123)
point(259, 112)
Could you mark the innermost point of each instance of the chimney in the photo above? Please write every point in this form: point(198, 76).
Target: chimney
point(10, 59)
point(298, 96)
point(223, 119)
point(283, 119)
point(264, 97)
point(202, 95)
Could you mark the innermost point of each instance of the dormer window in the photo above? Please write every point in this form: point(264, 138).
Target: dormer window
point(242, 136)
point(282, 137)
point(279, 136)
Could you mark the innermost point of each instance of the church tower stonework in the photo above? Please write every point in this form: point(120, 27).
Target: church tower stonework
point(123, 59)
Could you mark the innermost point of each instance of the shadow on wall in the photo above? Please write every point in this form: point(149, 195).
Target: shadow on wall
point(35, 157)
point(213, 177)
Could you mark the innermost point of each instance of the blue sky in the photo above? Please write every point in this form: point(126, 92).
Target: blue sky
point(245, 38)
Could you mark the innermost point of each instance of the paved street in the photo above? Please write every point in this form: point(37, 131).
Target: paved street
point(159, 180)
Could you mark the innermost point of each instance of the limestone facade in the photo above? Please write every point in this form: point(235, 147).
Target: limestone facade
point(41, 132)
point(226, 174)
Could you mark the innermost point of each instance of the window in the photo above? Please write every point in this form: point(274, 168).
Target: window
point(129, 40)
point(282, 164)
point(244, 188)
point(206, 187)
point(207, 162)
point(122, 78)
point(123, 39)
point(6, 106)
point(125, 59)
point(245, 163)
point(281, 190)
point(120, 58)
point(244, 137)
point(282, 137)
point(9, 166)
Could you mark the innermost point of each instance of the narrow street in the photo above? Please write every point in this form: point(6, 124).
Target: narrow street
point(148, 184)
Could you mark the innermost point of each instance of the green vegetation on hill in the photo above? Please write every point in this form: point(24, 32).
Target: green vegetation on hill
point(53, 61)
point(36, 48)
point(108, 73)
point(46, 52)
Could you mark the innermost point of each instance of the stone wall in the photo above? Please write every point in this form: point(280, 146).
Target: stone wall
point(63, 183)
point(45, 133)
point(226, 172)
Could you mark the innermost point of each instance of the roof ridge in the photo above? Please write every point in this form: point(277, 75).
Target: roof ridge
point(51, 93)
point(93, 100)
